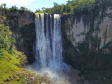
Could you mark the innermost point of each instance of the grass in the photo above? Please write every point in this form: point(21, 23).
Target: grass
point(9, 67)
point(11, 73)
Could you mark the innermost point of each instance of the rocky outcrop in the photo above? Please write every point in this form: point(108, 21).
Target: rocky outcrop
point(21, 19)
point(76, 28)
point(88, 35)
point(83, 35)
point(22, 26)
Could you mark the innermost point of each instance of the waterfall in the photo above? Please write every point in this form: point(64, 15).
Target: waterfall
point(48, 41)
point(48, 51)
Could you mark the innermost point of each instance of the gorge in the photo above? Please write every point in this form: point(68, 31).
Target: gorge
point(79, 39)
point(65, 48)
point(83, 45)
point(83, 39)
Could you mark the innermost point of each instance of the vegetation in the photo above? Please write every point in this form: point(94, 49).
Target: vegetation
point(87, 56)
point(13, 9)
point(6, 38)
point(12, 16)
point(79, 57)
point(12, 73)
point(11, 60)
point(77, 7)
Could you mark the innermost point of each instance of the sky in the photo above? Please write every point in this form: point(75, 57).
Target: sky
point(33, 5)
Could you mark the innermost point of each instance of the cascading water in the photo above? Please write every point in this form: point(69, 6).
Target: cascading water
point(48, 41)
point(48, 51)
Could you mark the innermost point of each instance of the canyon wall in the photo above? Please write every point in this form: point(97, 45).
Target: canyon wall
point(22, 26)
point(88, 39)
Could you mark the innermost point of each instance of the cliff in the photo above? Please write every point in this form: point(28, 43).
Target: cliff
point(13, 54)
point(22, 26)
point(88, 39)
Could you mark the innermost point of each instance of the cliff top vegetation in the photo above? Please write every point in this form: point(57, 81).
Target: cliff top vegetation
point(76, 7)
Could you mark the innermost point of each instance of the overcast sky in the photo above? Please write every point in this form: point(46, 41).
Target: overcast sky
point(32, 4)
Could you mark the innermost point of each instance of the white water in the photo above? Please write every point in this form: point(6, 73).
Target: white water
point(48, 50)
point(48, 41)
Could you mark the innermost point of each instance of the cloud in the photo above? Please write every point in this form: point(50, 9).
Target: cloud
point(16, 2)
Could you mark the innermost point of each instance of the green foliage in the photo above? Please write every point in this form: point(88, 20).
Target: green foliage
point(71, 7)
point(11, 60)
point(13, 9)
point(78, 7)
point(10, 73)
point(23, 9)
point(5, 37)
point(1, 54)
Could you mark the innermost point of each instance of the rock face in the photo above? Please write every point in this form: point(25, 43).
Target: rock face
point(86, 39)
point(87, 34)
point(21, 19)
point(22, 26)
point(76, 28)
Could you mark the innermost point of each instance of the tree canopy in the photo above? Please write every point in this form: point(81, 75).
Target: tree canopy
point(76, 7)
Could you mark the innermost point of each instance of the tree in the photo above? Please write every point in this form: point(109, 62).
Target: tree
point(22, 8)
point(55, 4)
point(5, 37)
point(4, 5)
point(38, 11)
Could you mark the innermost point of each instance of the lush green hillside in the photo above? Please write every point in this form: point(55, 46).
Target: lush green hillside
point(9, 58)
point(11, 71)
